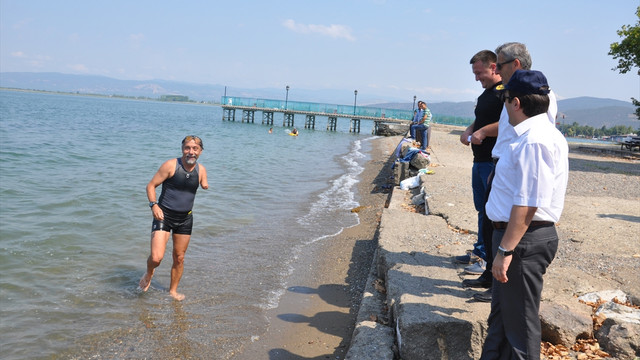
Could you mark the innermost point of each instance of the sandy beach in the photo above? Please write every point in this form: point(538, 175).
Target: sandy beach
point(316, 316)
point(601, 221)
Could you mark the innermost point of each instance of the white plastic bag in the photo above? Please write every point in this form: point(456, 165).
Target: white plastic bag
point(410, 183)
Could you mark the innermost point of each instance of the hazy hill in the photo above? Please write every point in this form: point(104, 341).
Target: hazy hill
point(596, 112)
point(92, 84)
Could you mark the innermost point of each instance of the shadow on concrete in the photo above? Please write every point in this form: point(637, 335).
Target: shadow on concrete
point(283, 354)
point(432, 286)
point(623, 217)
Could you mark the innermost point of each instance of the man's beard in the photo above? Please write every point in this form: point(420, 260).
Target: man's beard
point(191, 160)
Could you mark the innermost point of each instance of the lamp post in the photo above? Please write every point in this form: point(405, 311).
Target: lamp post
point(414, 103)
point(355, 98)
point(286, 100)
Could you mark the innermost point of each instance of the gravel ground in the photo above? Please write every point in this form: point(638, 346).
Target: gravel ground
point(601, 221)
point(599, 228)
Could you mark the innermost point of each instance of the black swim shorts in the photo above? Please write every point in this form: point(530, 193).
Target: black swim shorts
point(179, 223)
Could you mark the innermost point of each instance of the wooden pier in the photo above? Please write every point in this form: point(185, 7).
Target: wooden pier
point(248, 115)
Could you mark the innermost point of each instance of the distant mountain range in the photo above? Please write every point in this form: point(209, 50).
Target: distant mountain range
point(596, 112)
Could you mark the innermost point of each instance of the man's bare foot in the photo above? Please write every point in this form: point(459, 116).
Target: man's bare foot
point(145, 281)
point(176, 295)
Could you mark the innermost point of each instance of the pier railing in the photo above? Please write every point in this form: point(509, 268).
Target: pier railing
point(310, 110)
point(318, 108)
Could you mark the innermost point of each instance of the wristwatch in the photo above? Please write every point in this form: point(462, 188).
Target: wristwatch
point(151, 203)
point(504, 252)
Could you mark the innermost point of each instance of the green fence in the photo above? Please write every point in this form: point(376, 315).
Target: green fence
point(318, 107)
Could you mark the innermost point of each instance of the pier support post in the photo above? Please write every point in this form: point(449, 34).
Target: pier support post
point(248, 115)
point(267, 116)
point(355, 126)
point(332, 123)
point(374, 131)
point(229, 114)
point(310, 122)
point(288, 119)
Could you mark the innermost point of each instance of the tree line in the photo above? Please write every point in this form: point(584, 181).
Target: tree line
point(576, 129)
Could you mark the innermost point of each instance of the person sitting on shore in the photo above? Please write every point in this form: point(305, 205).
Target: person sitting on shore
point(417, 114)
point(422, 125)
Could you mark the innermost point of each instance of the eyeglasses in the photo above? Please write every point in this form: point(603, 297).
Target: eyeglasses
point(499, 65)
point(504, 96)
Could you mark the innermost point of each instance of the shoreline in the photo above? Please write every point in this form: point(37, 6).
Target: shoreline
point(315, 318)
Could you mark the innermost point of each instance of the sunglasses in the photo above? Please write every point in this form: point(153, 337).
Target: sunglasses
point(194, 138)
point(499, 65)
point(191, 137)
point(504, 96)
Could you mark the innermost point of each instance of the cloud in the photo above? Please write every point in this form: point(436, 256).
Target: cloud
point(79, 68)
point(38, 61)
point(334, 31)
point(136, 37)
point(135, 40)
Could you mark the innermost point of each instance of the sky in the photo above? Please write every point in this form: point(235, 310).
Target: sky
point(387, 50)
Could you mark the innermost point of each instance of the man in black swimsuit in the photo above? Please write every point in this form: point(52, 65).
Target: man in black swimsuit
point(172, 212)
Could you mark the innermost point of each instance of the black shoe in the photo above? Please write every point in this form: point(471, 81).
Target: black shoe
point(481, 282)
point(483, 296)
point(466, 259)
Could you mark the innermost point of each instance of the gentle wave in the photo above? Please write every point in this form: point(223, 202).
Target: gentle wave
point(74, 223)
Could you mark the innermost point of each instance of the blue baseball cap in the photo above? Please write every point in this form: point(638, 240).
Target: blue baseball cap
point(526, 82)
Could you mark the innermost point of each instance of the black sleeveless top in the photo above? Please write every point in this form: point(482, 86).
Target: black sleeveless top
point(179, 191)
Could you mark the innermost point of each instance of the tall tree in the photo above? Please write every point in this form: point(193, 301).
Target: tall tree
point(627, 52)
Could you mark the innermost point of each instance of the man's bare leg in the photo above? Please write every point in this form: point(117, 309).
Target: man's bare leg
point(180, 244)
point(145, 280)
point(159, 241)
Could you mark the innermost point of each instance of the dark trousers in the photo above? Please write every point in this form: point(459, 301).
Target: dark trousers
point(487, 229)
point(422, 130)
point(514, 322)
point(480, 173)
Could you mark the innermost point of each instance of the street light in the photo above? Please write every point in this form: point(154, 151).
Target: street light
point(286, 100)
point(414, 103)
point(355, 98)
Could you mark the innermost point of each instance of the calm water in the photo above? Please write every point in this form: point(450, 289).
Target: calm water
point(75, 225)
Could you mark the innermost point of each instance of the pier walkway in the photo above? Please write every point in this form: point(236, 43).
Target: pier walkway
point(310, 110)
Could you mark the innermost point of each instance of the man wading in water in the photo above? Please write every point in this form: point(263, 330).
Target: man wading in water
point(172, 212)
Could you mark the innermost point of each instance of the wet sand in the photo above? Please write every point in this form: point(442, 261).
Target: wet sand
point(315, 317)
point(600, 223)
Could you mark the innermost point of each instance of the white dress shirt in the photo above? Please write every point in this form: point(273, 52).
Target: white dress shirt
point(505, 130)
point(533, 172)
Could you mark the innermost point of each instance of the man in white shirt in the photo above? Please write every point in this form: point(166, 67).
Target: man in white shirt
point(512, 56)
point(526, 200)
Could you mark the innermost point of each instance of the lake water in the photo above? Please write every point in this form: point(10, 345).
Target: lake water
point(75, 224)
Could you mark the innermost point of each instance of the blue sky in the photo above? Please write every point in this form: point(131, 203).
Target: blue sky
point(387, 50)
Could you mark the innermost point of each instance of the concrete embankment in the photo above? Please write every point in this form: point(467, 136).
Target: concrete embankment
point(414, 306)
point(414, 303)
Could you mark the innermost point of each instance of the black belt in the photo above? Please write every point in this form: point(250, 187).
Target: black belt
point(501, 225)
